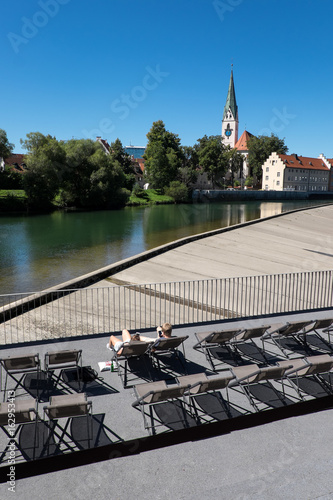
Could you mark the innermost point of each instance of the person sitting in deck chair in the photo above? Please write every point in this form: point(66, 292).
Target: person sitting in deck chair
point(117, 344)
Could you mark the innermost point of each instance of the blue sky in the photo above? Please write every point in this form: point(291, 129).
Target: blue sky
point(82, 68)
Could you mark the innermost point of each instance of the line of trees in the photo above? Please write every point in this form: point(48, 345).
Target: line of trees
point(78, 173)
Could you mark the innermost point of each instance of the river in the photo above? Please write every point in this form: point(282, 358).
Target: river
point(42, 251)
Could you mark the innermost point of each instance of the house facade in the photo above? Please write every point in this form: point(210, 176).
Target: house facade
point(295, 173)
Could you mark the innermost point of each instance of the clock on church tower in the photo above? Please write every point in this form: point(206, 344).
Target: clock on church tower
point(228, 131)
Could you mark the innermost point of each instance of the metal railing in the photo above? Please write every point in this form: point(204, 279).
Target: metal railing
point(68, 313)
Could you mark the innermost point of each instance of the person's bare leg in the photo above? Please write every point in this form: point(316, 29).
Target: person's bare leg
point(113, 340)
point(126, 335)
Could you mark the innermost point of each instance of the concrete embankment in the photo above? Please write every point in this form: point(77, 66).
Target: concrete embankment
point(297, 241)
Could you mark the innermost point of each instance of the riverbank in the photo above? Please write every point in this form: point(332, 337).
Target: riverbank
point(207, 195)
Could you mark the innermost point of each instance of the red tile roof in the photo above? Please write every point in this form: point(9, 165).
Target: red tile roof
point(15, 158)
point(241, 144)
point(294, 161)
point(140, 162)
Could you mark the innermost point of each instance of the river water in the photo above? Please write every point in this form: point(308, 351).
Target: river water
point(41, 251)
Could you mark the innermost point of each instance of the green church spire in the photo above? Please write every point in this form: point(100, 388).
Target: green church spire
point(231, 100)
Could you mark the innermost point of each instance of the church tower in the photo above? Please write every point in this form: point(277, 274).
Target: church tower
point(230, 116)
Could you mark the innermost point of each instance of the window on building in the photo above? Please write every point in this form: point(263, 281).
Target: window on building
point(278, 183)
point(266, 178)
point(278, 174)
point(267, 169)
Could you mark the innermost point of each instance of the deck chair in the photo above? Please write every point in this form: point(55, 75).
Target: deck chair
point(248, 376)
point(13, 416)
point(60, 360)
point(134, 349)
point(200, 388)
point(244, 344)
point(20, 365)
point(154, 393)
point(317, 340)
point(292, 329)
point(167, 347)
point(310, 367)
point(69, 406)
point(209, 341)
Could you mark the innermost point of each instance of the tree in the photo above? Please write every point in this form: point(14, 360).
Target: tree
point(35, 141)
point(45, 166)
point(178, 191)
point(188, 172)
point(6, 147)
point(235, 161)
point(212, 157)
point(118, 155)
point(92, 178)
point(76, 184)
point(259, 150)
point(163, 156)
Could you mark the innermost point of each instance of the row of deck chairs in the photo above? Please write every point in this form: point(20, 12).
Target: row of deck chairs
point(189, 391)
point(304, 335)
point(40, 432)
point(25, 410)
point(17, 367)
point(148, 351)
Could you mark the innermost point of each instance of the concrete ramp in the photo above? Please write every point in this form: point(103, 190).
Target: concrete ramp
point(294, 242)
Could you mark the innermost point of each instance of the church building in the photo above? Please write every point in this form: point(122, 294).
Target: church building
point(230, 128)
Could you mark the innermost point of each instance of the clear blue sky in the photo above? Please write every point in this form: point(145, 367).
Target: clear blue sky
point(81, 68)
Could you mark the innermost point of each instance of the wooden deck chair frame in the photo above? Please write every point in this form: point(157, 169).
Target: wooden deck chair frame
point(19, 365)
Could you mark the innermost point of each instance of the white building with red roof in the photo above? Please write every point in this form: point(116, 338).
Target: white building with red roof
point(295, 173)
point(241, 146)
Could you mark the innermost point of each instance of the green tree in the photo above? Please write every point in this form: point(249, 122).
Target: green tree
point(235, 160)
point(108, 182)
point(76, 184)
point(35, 141)
point(259, 150)
point(6, 147)
point(163, 156)
point(45, 166)
point(188, 172)
point(178, 191)
point(212, 157)
point(92, 178)
point(120, 157)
